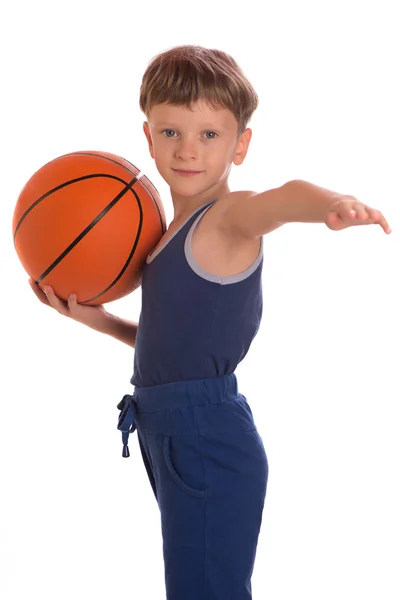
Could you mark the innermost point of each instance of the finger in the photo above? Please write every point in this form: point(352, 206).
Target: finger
point(385, 225)
point(358, 211)
point(39, 293)
point(55, 301)
point(349, 211)
point(362, 214)
point(365, 214)
point(377, 217)
point(72, 301)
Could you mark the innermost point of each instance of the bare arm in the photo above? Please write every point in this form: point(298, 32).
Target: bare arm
point(121, 329)
point(249, 215)
point(95, 317)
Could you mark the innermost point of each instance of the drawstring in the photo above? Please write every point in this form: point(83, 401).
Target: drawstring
point(126, 420)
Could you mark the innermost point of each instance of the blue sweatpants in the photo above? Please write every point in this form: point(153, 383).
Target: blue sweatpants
point(208, 469)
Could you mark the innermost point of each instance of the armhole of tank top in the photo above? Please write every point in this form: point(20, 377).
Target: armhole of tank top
point(216, 278)
point(150, 257)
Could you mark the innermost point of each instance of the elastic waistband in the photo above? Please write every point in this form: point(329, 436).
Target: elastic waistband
point(215, 390)
point(191, 393)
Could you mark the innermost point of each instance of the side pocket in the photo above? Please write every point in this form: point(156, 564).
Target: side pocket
point(178, 480)
point(246, 406)
point(148, 466)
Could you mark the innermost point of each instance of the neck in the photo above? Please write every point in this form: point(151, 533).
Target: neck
point(185, 205)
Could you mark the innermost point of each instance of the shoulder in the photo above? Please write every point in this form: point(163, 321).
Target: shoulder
point(223, 204)
point(220, 214)
point(248, 215)
point(217, 249)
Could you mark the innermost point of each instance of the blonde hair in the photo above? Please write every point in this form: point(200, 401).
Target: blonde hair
point(185, 74)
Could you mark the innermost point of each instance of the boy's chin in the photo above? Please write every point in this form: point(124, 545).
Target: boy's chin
point(185, 186)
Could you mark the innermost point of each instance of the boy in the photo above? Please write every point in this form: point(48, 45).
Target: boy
point(201, 308)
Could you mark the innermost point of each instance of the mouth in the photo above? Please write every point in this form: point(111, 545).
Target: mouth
point(186, 173)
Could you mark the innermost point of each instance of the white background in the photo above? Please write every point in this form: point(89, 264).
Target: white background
point(76, 519)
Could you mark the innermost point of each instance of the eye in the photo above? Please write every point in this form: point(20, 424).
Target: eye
point(214, 135)
point(167, 131)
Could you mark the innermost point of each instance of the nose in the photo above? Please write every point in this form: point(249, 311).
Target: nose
point(186, 150)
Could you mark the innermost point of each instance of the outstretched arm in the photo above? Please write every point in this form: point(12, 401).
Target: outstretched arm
point(251, 215)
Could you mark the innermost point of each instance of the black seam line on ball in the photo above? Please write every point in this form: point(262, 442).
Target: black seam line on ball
point(59, 187)
point(135, 171)
point(86, 230)
point(128, 260)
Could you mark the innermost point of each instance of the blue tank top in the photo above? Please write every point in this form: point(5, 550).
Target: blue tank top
point(193, 324)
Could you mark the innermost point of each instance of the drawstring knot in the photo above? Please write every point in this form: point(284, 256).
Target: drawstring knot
point(126, 420)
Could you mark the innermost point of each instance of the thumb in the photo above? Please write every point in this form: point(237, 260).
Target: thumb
point(72, 301)
point(335, 222)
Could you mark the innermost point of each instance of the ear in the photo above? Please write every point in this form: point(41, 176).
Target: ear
point(147, 133)
point(242, 145)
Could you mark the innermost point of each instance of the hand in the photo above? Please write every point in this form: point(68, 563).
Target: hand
point(347, 211)
point(92, 316)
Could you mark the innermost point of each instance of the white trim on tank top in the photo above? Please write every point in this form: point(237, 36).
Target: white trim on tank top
point(152, 255)
point(228, 279)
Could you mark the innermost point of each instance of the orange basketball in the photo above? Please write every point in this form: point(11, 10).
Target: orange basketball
point(85, 223)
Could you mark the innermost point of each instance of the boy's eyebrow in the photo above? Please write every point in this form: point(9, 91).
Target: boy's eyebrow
point(176, 126)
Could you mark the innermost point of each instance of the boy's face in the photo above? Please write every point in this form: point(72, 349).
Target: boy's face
point(204, 140)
